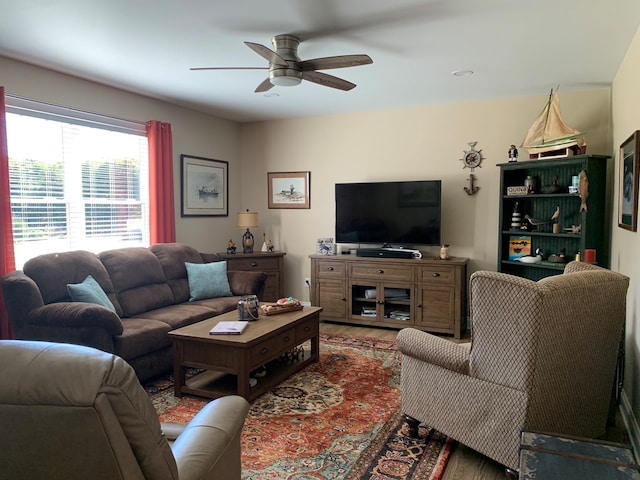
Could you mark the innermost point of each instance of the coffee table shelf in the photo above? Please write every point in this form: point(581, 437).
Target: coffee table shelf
point(213, 384)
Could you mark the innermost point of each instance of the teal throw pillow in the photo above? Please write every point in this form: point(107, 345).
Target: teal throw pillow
point(89, 291)
point(208, 280)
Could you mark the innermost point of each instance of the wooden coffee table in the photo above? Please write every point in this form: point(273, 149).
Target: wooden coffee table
point(228, 360)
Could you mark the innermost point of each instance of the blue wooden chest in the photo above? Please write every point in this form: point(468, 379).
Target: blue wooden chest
point(546, 456)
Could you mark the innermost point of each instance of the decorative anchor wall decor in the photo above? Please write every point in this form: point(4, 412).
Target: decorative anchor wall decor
point(471, 189)
point(472, 158)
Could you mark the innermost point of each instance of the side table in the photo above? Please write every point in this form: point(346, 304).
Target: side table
point(271, 263)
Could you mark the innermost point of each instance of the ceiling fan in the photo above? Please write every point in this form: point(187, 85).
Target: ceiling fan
point(287, 70)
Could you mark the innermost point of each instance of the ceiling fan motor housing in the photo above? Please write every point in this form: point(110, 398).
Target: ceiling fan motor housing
point(287, 47)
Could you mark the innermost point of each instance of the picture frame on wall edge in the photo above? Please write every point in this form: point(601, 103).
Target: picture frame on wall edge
point(629, 170)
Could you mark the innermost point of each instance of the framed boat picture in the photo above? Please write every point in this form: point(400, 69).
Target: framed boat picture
point(205, 186)
point(628, 184)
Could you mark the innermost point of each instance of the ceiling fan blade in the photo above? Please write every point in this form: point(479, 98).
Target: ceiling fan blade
point(327, 80)
point(338, 61)
point(266, 53)
point(229, 68)
point(264, 86)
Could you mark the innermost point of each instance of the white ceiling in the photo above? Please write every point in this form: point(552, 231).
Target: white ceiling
point(514, 48)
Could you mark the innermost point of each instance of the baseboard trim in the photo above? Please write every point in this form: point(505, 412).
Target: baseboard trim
point(630, 423)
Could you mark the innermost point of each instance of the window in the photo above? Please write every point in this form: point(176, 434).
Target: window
point(78, 181)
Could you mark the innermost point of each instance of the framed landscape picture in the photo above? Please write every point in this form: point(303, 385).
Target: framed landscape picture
point(288, 189)
point(519, 246)
point(628, 184)
point(205, 187)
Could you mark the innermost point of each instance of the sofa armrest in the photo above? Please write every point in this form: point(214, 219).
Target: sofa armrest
point(247, 283)
point(210, 257)
point(74, 315)
point(209, 446)
point(21, 295)
point(435, 350)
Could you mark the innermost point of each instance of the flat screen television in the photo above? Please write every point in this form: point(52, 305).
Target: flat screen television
point(390, 213)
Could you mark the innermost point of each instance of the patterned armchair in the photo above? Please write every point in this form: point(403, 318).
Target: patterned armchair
point(543, 356)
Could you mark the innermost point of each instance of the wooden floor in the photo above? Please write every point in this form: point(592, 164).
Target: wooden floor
point(465, 463)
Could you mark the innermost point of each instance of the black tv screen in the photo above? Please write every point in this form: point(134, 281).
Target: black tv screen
point(395, 213)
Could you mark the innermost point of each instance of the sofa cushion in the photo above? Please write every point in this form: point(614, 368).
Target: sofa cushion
point(208, 280)
point(89, 291)
point(138, 279)
point(140, 337)
point(172, 257)
point(182, 314)
point(53, 271)
point(218, 305)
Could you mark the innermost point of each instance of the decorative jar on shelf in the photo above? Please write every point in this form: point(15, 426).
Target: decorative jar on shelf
point(530, 183)
point(444, 252)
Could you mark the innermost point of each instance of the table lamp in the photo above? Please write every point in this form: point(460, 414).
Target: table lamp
point(247, 220)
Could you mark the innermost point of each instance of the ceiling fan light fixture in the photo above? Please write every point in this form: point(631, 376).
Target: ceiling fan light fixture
point(285, 77)
point(286, 81)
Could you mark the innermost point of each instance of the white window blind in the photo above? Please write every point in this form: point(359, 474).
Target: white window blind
point(77, 183)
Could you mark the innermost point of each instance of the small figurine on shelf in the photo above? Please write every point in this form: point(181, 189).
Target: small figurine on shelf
point(513, 154)
point(516, 218)
point(231, 246)
point(554, 220)
point(269, 246)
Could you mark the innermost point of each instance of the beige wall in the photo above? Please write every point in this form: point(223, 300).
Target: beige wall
point(417, 143)
point(193, 133)
point(624, 244)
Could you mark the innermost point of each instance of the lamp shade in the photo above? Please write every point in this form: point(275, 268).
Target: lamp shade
point(247, 220)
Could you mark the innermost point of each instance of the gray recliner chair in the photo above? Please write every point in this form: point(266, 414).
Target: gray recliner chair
point(73, 412)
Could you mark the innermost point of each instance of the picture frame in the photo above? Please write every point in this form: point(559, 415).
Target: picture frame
point(325, 246)
point(519, 246)
point(204, 187)
point(629, 167)
point(289, 189)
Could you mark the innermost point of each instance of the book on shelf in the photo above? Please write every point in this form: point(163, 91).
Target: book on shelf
point(369, 312)
point(399, 315)
point(229, 328)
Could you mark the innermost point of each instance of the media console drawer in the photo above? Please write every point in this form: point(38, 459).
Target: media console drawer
point(330, 269)
point(439, 273)
point(380, 271)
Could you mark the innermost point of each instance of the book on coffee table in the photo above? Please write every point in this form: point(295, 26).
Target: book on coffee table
point(229, 328)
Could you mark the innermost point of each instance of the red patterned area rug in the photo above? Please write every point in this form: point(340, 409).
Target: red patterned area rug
point(336, 419)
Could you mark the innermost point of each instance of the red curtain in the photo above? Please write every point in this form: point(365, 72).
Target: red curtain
point(7, 257)
point(162, 221)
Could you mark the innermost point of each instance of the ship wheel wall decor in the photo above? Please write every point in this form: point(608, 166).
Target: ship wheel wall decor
point(472, 158)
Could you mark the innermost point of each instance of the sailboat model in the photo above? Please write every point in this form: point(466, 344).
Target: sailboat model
point(549, 136)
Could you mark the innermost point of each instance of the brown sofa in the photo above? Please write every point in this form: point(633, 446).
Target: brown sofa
point(148, 288)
